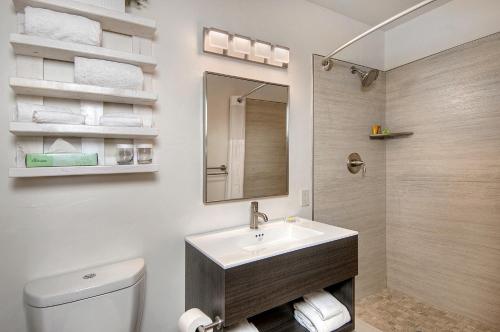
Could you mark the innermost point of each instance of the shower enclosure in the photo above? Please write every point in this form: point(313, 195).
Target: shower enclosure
point(428, 207)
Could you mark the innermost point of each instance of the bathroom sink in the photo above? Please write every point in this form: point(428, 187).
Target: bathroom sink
point(274, 236)
point(241, 245)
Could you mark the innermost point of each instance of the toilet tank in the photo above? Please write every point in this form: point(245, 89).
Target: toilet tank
point(106, 298)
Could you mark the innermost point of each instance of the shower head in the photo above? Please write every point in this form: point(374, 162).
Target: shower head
point(367, 77)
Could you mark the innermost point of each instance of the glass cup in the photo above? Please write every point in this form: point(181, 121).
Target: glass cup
point(124, 154)
point(144, 153)
point(376, 129)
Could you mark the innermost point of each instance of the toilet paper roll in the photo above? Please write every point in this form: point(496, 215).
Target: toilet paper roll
point(192, 319)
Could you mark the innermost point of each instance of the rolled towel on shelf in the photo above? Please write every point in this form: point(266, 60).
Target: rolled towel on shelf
point(60, 26)
point(121, 120)
point(25, 111)
point(58, 117)
point(108, 74)
point(243, 326)
point(310, 319)
point(324, 303)
point(47, 114)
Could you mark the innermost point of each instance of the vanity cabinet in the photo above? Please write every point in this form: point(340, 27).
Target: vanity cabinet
point(263, 291)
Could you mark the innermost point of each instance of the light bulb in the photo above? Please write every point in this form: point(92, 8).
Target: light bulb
point(218, 39)
point(262, 50)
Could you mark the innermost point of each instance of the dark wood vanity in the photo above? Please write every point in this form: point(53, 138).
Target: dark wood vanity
point(264, 291)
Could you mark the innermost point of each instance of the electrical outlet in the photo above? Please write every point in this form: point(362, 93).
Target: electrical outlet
point(304, 198)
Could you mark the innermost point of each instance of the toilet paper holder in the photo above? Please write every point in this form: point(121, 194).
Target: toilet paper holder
point(217, 325)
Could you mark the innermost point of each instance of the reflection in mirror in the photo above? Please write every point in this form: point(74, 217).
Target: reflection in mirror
point(246, 138)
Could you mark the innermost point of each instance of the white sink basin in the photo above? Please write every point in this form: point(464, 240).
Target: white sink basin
point(240, 245)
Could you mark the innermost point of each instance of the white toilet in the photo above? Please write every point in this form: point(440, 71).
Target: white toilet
point(107, 298)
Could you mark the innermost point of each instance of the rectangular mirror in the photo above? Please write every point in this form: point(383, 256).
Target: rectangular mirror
point(246, 138)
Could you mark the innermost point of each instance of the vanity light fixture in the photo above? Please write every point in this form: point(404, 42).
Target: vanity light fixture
point(218, 39)
point(281, 54)
point(242, 44)
point(262, 49)
point(220, 42)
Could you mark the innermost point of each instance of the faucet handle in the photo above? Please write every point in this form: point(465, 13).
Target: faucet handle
point(254, 206)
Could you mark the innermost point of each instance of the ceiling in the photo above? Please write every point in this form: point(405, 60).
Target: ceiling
point(371, 12)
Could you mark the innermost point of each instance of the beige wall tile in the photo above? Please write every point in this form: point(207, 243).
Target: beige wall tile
point(343, 115)
point(266, 157)
point(443, 183)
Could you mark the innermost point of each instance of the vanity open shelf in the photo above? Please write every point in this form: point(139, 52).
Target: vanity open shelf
point(281, 318)
point(66, 51)
point(81, 170)
point(65, 130)
point(111, 20)
point(263, 283)
point(391, 135)
point(42, 88)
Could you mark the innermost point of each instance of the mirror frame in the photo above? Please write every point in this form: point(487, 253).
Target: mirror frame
point(205, 139)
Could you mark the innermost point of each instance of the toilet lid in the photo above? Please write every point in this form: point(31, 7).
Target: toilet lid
point(83, 284)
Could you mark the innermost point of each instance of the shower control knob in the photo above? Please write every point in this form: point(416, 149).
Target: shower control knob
point(355, 163)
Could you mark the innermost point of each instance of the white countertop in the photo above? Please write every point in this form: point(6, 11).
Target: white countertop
point(240, 245)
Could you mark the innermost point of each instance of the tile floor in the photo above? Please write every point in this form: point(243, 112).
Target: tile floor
point(392, 311)
point(362, 326)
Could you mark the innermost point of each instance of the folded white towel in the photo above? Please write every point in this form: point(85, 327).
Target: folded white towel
point(54, 25)
point(243, 326)
point(58, 117)
point(108, 73)
point(324, 303)
point(308, 317)
point(304, 321)
point(124, 120)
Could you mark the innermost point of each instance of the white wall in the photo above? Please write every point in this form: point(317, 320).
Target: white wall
point(54, 225)
point(447, 26)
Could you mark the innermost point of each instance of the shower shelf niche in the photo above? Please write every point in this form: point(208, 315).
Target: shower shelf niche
point(391, 135)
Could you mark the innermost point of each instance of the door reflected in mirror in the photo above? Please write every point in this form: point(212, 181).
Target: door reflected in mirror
point(246, 138)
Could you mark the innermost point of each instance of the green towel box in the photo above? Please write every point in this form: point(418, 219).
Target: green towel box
point(60, 159)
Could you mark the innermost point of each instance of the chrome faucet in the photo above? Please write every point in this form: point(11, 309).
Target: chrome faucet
point(255, 215)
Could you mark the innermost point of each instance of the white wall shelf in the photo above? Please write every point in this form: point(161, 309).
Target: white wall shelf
point(81, 170)
point(34, 87)
point(66, 51)
point(130, 39)
point(111, 20)
point(65, 130)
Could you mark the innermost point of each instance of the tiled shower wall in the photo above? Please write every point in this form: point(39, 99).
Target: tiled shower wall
point(442, 208)
point(443, 184)
point(265, 148)
point(343, 114)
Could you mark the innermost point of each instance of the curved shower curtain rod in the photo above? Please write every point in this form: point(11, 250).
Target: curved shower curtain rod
point(328, 61)
point(240, 99)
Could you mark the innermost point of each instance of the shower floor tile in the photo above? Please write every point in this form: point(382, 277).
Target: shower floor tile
point(391, 310)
